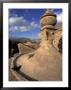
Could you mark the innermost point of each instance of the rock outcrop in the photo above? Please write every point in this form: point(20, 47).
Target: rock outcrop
point(13, 48)
point(44, 64)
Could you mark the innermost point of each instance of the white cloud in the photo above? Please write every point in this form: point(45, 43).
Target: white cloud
point(17, 21)
point(23, 28)
point(16, 27)
point(33, 25)
point(21, 24)
point(59, 17)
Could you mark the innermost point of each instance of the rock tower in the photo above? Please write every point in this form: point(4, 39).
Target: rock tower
point(44, 64)
point(47, 21)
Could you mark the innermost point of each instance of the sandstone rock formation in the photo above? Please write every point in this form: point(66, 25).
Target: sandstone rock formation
point(23, 49)
point(57, 37)
point(44, 64)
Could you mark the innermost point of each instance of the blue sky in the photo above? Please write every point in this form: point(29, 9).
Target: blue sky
point(26, 22)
